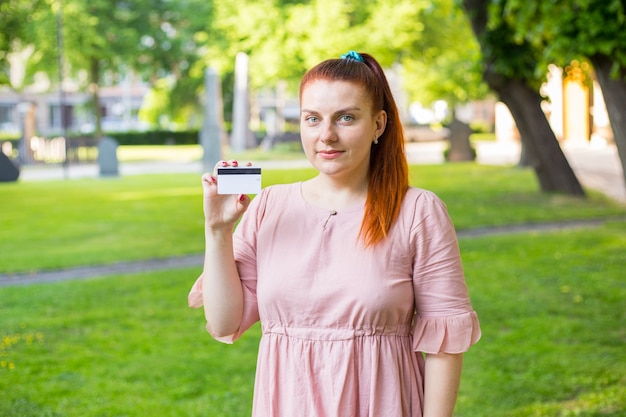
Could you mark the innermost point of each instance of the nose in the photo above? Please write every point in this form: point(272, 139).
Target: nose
point(328, 133)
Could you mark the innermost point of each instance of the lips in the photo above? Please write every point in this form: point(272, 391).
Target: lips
point(329, 153)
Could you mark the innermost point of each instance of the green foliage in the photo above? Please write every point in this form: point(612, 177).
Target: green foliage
point(505, 53)
point(104, 40)
point(14, 18)
point(430, 39)
point(171, 43)
point(444, 64)
point(572, 29)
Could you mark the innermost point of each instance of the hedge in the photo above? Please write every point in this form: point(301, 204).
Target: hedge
point(156, 137)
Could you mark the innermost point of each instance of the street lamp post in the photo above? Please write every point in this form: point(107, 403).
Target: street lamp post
point(62, 98)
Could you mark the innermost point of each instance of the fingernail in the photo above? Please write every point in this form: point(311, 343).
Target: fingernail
point(234, 163)
point(224, 163)
point(242, 198)
point(211, 178)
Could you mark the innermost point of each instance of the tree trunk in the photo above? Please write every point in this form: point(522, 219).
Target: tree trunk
point(525, 158)
point(614, 92)
point(546, 156)
point(544, 152)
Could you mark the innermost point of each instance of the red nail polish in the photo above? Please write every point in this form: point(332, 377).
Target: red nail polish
point(224, 163)
point(242, 198)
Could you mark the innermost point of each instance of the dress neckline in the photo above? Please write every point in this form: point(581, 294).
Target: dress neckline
point(310, 206)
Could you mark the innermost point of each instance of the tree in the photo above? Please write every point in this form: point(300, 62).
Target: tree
point(170, 56)
point(106, 38)
point(282, 38)
point(285, 38)
point(14, 21)
point(509, 68)
point(579, 29)
point(444, 63)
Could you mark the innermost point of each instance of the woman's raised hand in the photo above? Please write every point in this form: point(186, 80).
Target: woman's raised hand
point(222, 211)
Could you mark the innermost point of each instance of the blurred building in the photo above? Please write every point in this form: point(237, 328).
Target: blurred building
point(574, 107)
point(119, 107)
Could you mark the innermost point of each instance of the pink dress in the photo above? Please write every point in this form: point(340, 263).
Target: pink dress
point(343, 326)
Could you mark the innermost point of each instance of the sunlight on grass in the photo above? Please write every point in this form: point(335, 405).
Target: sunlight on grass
point(57, 224)
point(137, 153)
point(130, 153)
point(105, 346)
point(551, 305)
point(162, 192)
point(111, 344)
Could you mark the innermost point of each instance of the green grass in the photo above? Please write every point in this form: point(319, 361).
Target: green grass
point(478, 195)
point(58, 224)
point(55, 224)
point(552, 314)
point(120, 346)
point(551, 304)
point(551, 309)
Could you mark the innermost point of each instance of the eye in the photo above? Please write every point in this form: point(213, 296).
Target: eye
point(346, 118)
point(311, 119)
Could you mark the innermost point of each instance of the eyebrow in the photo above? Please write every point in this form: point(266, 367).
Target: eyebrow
point(345, 110)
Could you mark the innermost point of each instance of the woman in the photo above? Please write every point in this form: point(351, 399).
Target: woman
point(354, 275)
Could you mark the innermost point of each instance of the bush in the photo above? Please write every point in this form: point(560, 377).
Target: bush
point(157, 137)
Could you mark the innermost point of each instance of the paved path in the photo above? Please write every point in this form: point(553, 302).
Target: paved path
point(596, 167)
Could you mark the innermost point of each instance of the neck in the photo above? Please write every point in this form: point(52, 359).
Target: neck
point(322, 191)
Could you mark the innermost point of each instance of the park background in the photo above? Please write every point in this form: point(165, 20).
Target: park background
point(94, 269)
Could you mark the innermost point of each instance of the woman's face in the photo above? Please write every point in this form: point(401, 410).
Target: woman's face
point(338, 126)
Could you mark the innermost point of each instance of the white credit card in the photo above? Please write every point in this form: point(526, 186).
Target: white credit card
point(239, 180)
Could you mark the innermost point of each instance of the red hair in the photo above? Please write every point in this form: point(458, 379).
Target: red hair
point(388, 168)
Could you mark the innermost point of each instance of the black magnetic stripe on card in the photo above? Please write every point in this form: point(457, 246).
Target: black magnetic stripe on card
point(238, 171)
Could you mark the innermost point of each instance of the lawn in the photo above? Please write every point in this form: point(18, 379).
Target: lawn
point(552, 314)
point(58, 224)
point(551, 304)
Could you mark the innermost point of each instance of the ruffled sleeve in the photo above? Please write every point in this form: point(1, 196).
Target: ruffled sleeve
point(445, 320)
point(244, 243)
point(452, 334)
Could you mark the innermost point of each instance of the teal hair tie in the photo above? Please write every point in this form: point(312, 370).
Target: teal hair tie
point(353, 55)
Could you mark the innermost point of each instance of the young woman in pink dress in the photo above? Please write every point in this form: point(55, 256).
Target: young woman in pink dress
point(355, 276)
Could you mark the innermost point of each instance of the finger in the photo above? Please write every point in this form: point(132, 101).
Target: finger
point(243, 200)
point(248, 164)
point(208, 178)
point(208, 181)
point(219, 164)
point(233, 163)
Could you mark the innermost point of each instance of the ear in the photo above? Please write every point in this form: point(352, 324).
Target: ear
point(381, 122)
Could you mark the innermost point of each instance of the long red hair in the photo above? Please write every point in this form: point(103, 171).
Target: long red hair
point(388, 169)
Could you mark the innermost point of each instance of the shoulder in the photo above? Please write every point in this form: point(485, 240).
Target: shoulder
point(282, 189)
point(278, 192)
point(419, 197)
point(274, 194)
point(423, 206)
